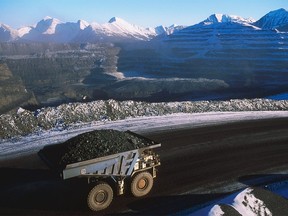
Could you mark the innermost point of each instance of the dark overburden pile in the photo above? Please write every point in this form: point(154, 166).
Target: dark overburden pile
point(99, 143)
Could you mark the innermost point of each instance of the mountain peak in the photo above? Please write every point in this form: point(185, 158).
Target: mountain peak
point(7, 33)
point(122, 28)
point(224, 18)
point(4, 26)
point(280, 10)
point(116, 19)
point(82, 24)
point(47, 18)
point(218, 18)
point(277, 13)
point(273, 19)
point(47, 25)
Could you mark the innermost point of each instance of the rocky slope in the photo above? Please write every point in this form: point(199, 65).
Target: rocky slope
point(223, 47)
point(68, 115)
point(61, 73)
point(276, 19)
point(7, 33)
point(58, 73)
point(12, 91)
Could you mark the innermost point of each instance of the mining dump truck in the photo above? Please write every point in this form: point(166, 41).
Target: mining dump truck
point(124, 164)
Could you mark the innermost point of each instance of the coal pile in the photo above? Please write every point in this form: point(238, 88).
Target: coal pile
point(94, 144)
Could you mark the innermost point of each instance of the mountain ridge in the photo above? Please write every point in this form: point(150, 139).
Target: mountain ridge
point(53, 30)
point(273, 20)
point(225, 18)
point(116, 29)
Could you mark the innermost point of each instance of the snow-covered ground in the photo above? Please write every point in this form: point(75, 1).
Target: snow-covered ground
point(26, 122)
point(32, 143)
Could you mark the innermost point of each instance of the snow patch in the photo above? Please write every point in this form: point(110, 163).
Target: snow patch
point(20, 110)
point(216, 211)
point(24, 30)
point(247, 204)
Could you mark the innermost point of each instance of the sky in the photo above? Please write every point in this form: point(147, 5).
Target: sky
point(145, 13)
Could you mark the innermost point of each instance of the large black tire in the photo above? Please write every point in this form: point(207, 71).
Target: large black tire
point(141, 184)
point(100, 197)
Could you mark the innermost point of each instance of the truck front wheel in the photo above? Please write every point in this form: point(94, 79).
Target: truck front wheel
point(100, 197)
point(141, 184)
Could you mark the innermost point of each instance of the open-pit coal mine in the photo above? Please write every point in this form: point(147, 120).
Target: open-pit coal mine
point(39, 75)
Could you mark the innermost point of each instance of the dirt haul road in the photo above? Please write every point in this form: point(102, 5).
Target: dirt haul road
point(194, 163)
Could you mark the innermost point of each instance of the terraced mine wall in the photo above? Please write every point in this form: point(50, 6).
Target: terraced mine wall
point(248, 60)
point(13, 92)
point(58, 73)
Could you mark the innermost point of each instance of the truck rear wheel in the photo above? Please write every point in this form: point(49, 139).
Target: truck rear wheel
point(100, 197)
point(141, 184)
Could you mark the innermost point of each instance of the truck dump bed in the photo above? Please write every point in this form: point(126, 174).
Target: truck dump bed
point(118, 159)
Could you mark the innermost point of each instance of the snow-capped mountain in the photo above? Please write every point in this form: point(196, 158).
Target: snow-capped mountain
point(223, 47)
point(7, 33)
point(47, 25)
point(115, 29)
point(66, 32)
point(118, 26)
point(273, 20)
point(163, 30)
point(24, 30)
point(53, 30)
point(43, 30)
point(118, 29)
point(220, 33)
point(224, 18)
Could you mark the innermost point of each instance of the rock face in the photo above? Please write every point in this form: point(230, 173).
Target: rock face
point(12, 91)
point(92, 145)
point(273, 20)
point(7, 33)
point(249, 58)
point(58, 73)
point(242, 55)
point(63, 73)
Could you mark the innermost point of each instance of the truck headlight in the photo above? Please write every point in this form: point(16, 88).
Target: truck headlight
point(83, 171)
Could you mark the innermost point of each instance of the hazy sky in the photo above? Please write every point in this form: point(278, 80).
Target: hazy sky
point(146, 13)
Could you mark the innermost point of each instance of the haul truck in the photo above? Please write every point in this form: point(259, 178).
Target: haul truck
point(112, 173)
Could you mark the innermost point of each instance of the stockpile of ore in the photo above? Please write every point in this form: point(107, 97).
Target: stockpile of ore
point(94, 144)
